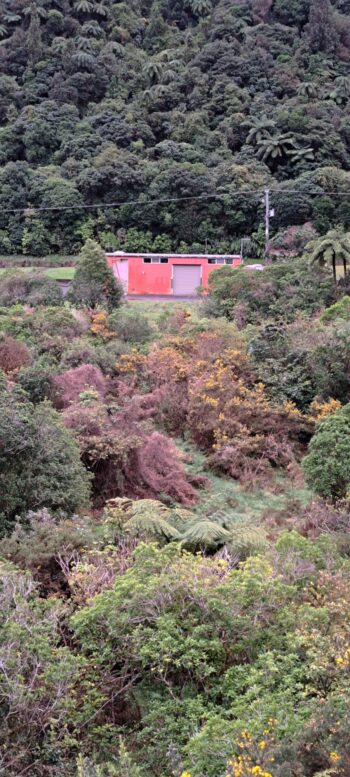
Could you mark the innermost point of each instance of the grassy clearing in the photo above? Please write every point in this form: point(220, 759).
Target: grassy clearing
point(19, 269)
point(51, 260)
point(156, 311)
point(61, 273)
point(55, 273)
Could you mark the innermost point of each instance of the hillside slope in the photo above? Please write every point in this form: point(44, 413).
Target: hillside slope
point(171, 100)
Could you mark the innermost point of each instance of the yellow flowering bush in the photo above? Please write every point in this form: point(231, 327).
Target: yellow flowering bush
point(255, 756)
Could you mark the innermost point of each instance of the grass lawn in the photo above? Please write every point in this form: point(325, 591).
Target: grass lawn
point(56, 273)
point(61, 273)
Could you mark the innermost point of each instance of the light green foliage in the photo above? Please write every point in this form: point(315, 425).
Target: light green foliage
point(327, 465)
point(340, 310)
point(131, 326)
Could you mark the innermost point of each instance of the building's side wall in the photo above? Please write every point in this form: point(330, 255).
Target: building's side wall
point(149, 278)
point(156, 279)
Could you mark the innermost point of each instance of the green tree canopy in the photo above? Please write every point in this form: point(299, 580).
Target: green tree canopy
point(94, 282)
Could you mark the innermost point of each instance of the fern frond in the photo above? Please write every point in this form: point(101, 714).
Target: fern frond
point(247, 540)
point(205, 534)
point(151, 525)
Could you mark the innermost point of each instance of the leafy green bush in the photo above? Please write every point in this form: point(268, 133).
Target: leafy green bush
point(130, 326)
point(281, 291)
point(327, 465)
point(28, 288)
point(340, 309)
point(39, 461)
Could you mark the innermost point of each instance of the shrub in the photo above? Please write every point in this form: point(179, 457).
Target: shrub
point(130, 326)
point(36, 379)
point(340, 309)
point(28, 288)
point(39, 461)
point(327, 465)
point(69, 385)
point(126, 457)
point(281, 291)
point(13, 354)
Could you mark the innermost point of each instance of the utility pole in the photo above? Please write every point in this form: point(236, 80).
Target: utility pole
point(267, 223)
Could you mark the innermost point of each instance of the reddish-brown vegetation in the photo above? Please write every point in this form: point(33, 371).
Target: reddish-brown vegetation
point(13, 355)
point(70, 384)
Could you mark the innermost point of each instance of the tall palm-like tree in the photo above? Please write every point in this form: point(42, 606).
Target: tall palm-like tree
point(341, 91)
point(92, 28)
point(276, 147)
point(200, 7)
point(100, 10)
point(83, 6)
point(83, 59)
point(308, 89)
point(301, 154)
point(60, 45)
point(330, 251)
point(113, 47)
point(259, 129)
point(153, 71)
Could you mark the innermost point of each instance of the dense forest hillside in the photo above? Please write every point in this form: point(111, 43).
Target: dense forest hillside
point(175, 477)
point(179, 112)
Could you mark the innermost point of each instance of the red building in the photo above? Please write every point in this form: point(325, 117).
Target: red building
point(166, 274)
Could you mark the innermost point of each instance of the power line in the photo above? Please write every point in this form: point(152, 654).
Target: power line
point(195, 198)
point(103, 205)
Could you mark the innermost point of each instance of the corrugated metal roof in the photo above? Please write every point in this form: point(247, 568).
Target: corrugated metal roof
point(169, 255)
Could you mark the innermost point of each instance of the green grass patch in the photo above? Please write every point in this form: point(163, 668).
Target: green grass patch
point(56, 273)
point(60, 273)
point(226, 496)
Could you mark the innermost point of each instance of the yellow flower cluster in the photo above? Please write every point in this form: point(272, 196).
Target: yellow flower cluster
point(99, 325)
point(291, 409)
point(210, 400)
point(130, 363)
point(320, 410)
point(334, 757)
point(243, 766)
point(344, 660)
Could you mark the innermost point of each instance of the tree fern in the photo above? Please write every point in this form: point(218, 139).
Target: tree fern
point(247, 540)
point(113, 47)
point(83, 6)
point(92, 28)
point(330, 250)
point(151, 526)
point(83, 59)
point(204, 535)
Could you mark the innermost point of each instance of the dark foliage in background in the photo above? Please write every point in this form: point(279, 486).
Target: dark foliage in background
point(106, 103)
